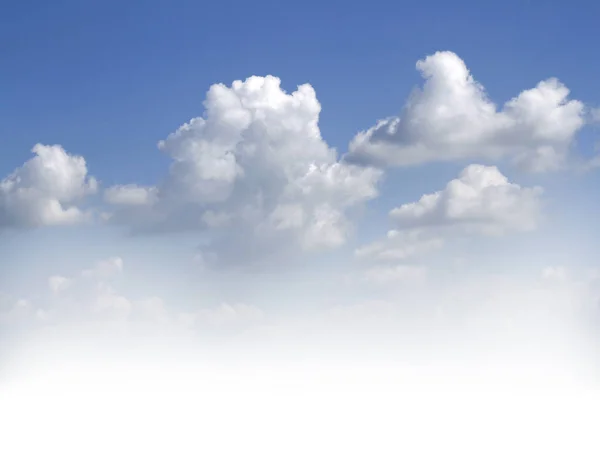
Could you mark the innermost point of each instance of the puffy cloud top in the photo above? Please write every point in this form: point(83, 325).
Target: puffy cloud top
point(481, 197)
point(45, 190)
point(451, 118)
point(254, 168)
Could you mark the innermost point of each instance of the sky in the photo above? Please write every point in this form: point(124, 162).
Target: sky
point(409, 189)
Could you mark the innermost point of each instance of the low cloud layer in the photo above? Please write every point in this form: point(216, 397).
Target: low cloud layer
point(425, 316)
point(481, 202)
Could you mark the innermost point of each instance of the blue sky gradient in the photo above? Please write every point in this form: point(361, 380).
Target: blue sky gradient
point(109, 79)
point(394, 276)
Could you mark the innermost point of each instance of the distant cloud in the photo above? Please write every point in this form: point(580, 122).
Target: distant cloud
point(481, 198)
point(481, 201)
point(58, 284)
point(559, 274)
point(452, 119)
point(130, 195)
point(400, 245)
point(92, 298)
point(104, 269)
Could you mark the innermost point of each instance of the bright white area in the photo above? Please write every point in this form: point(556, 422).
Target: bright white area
point(126, 416)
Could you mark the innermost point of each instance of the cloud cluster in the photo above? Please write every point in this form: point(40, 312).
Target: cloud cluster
point(92, 298)
point(45, 191)
point(253, 171)
point(481, 201)
point(451, 118)
point(256, 180)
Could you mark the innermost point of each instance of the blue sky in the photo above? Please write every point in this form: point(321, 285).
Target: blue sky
point(108, 80)
point(231, 209)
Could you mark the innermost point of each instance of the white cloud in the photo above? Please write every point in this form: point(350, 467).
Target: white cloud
point(105, 269)
point(45, 191)
point(398, 274)
point(226, 317)
point(89, 295)
point(108, 303)
point(451, 118)
point(400, 245)
point(216, 219)
point(481, 199)
point(256, 168)
point(22, 310)
point(152, 309)
point(92, 299)
point(417, 314)
point(130, 195)
point(59, 284)
point(555, 274)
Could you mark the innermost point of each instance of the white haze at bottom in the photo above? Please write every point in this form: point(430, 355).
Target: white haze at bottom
point(169, 411)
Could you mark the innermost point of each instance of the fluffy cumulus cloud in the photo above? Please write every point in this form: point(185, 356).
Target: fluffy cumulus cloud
point(481, 198)
point(255, 172)
point(481, 201)
point(46, 190)
point(451, 118)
